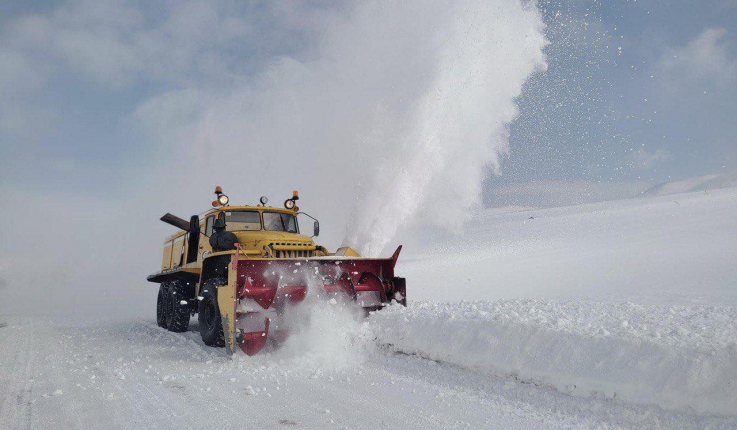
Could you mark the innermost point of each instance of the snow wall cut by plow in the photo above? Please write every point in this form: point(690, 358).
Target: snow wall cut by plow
point(676, 357)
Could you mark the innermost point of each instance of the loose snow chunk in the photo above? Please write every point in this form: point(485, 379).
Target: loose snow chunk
point(250, 391)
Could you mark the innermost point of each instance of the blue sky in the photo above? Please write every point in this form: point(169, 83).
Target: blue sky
point(660, 108)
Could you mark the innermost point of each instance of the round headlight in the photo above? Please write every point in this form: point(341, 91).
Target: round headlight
point(289, 204)
point(264, 200)
point(223, 199)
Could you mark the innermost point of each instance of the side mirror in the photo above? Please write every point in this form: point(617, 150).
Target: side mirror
point(316, 228)
point(194, 224)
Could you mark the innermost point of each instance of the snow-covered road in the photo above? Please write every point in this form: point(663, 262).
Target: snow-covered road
point(132, 374)
point(610, 315)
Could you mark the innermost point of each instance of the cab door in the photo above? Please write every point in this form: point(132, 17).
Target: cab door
point(194, 236)
point(204, 247)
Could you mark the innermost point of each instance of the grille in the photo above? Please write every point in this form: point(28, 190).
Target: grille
point(279, 251)
point(293, 253)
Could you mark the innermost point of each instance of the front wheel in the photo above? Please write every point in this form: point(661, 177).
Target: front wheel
point(211, 327)
point(177, 307)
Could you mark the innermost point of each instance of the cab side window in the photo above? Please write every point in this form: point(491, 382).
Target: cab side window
point(208, 226)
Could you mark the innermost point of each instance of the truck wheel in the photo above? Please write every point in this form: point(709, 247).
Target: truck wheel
point(211, 328)
point(177, 314)
point(161, 306)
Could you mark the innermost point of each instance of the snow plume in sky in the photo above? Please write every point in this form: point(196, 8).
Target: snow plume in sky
point(454, 129)
point(391, 107)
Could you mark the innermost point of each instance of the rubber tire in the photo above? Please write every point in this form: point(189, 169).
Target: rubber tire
point(161, 306)
point(177, 314)
point(211, 326)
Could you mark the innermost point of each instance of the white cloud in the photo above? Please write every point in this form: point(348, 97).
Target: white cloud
point(706, 57)
point(115, 43)
point(20, 75)
point(111, 44)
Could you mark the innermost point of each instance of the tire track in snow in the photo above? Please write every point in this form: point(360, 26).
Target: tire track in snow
point(16, 374)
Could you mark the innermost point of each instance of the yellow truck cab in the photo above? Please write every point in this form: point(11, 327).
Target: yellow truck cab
point(262, 231)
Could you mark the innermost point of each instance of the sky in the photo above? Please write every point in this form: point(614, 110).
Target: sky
point(636, 93)
point(385, 116)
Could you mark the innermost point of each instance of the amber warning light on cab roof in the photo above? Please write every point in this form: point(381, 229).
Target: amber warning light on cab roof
point(222, 199)
point(291, 203)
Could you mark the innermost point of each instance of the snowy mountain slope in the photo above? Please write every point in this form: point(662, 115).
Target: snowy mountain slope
point(697, 183)
point(677, 249)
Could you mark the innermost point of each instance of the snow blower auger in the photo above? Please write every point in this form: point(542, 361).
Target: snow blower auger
point(243, 268)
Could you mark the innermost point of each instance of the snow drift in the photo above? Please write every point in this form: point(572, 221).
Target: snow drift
point(676, 357)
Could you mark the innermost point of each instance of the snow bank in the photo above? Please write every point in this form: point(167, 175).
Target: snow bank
point(675, 357)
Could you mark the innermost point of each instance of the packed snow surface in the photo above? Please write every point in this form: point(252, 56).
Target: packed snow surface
point(131, 374)
point(611, 315)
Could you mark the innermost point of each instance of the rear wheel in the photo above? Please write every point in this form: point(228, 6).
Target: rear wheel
point(211, 327)
point(161, 306)
point(177, 307)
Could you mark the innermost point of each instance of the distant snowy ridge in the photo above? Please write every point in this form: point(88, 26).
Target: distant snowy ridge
point(676, 357)
point(655, 250)
point(697, 183)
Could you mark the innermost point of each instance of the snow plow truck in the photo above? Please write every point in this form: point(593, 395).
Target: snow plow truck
point(241, 268)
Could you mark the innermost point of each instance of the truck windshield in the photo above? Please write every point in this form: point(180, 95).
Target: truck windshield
point(242, 220)
point(276, 221)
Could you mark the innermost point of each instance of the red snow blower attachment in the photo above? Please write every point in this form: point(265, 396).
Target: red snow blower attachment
point(266, 289)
